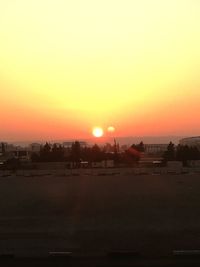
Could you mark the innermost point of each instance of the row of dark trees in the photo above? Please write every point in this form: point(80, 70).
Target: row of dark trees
point(57, 153)
point(76, 154)
point(182, 153)
point(49, 153)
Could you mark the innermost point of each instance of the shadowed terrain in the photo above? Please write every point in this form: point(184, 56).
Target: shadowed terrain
point(153, 214)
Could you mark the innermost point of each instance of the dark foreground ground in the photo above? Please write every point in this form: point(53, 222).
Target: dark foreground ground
point(91, 215)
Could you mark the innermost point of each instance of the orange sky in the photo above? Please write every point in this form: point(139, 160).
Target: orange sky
point(67, 66)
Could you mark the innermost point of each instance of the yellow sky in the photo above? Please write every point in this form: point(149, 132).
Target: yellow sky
point(66, 66)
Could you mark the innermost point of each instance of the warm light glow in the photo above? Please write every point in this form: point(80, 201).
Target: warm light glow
point(111, 129)
point(66, 66)
point(97, 132)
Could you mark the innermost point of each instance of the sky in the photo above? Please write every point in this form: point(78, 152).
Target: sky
point(68, 66)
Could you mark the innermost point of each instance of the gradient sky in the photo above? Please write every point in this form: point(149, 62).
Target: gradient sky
point(67, 66)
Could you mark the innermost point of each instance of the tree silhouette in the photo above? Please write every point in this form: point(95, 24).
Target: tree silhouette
point(96, 153)
point(3, 148)
point(49, 153)
point(57, 153)
point(186, 153)
point(140, 147)
point(45, 152)
point(86, 154)
point(182, 153)
point(76, 153)
point(170, 154)
point(194, 153)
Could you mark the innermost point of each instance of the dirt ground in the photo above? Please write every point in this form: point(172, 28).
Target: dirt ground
point(152, 214)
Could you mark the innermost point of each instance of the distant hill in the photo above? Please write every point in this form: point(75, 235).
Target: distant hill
point(126, 140)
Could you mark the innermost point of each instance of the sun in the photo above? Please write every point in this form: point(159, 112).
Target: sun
point(98, 132)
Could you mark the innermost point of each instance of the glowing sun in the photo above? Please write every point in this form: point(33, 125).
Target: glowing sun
point(98, 132)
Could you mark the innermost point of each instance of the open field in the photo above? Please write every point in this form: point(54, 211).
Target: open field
point(154, 214)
